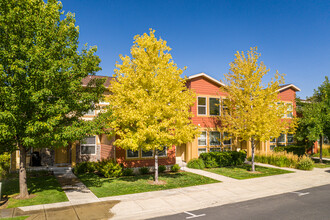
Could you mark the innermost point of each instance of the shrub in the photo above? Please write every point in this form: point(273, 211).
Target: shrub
point(295, 149)
point(175, 168)
point(196, 164)
point(86, 167)
point(211, 163)
point(109, 168)
point(144, 170)
point(161, 168)
point(223, 159)
point(128, 172)
point(4, 165)
point(305, 163)
point(281, 159)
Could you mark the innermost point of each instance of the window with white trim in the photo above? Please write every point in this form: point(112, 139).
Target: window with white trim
point(272, 140)
point(214, 138)
point(289, 110)
point(163, 152)
point(281, 138)
point(225, 140)
point(132, 154)
point(201, 106)
point(214, 106)
point(201, 150)
point(289, 138)
point(88, 146)
point(215, 149)
point(149, 153)
point(202, 139)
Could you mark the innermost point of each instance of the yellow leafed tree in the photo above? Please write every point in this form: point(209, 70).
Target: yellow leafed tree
point(254, 110)
point(149, 99)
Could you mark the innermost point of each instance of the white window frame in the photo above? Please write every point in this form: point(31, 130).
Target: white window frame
point(89, 145)
point(286, 138)
point(220, 149)
point(200, 138)
point(132, 157)
point(202, 152)
point(270, 141)
point(165, 153)
point(219, 106)
point(146, 156)
point(231, 141)
point(202, 105)
point(289, 112)
point(218, 140)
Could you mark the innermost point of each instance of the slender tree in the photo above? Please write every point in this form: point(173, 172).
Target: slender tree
point(41, 95)
point(254, 111)
point(314, 123)
point(150, 100)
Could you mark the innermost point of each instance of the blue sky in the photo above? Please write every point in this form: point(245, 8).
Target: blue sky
point(293, 37)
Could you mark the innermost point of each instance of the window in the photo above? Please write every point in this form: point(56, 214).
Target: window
point(149, 153)
point(272, 147)
point(224, 107)
point(132, 154)
point(215, 149)
point(225, 140)
point(88, 145)
point(272, 140)
point(162, 153)
point(214, 138)
point(201, 106)
point(92, 110)
point(214, 106)
point(202, 139)
point(227, 148)
point(281, 138)
point(289, 110)
point(201, 150)
point(289, 138)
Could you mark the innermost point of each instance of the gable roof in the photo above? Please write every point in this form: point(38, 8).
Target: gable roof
point(207, 77)
point(87, 79)
point(286, 86)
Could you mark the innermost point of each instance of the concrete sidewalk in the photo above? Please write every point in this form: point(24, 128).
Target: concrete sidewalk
point(317, 158)
point(173, 201)
point(74, 189)
point(167, 202)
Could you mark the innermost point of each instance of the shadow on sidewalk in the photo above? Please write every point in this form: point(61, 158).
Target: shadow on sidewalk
point(98, 210)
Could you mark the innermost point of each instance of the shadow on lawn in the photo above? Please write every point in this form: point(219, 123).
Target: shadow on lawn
point(93, 180)
point(36, 182)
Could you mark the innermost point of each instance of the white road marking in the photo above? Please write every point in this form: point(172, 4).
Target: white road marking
point(193, 215)
point(300, 193)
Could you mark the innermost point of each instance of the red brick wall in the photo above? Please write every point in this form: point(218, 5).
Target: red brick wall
point(145, 162)
point(107, 151)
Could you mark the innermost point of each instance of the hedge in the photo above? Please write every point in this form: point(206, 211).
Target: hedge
point(295, 149)
point(223, 159)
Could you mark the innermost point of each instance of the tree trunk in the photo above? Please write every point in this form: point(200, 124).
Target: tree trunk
point(321, 145)
point(23, 190)
point(252, 150)
point(156, 166)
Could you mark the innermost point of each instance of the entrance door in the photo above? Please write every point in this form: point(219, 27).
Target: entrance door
point(62, 155)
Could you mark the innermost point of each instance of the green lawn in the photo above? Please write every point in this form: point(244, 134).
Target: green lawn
point(242, 171)
point(325, 163)
point(103, 187)
point(43, 185)
point(16, 218)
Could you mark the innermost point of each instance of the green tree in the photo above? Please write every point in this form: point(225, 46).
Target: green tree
point(150, 100)
point(254, 110)
point(314, 123)
point(41, 69)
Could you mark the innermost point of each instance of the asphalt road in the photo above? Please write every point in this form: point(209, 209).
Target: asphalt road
point(312, 203)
